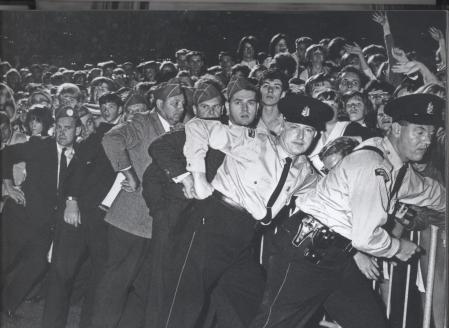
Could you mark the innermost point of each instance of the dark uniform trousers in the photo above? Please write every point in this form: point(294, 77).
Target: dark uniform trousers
point(296, 287)
point(126, 254)
point(24, 248)
point(215, 245)
point(72, 246)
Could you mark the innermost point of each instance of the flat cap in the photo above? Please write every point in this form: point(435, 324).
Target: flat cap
point(417, 108)
point(301, 109)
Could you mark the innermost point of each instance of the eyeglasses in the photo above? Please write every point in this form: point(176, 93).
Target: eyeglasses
point(214, 108)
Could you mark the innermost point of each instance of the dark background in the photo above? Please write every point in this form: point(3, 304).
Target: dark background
point(75, 38)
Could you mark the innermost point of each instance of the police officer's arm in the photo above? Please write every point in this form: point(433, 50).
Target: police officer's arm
point(368, 201)
point(116, 143)
point(200, 134)
point(422, 191)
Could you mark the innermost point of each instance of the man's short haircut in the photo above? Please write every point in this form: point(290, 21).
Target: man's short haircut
point(374, 49)
point(57, 78)
point(341, 145)
point(351, 69)
point(192, 53)
point(110, 97)
point(256, 69)
point(246, 39)
point(315, 79)
point(335, 46)
point(274, 41)
point(69, 88)
point(285, 62)
point(304, 39)
point(240, 68)
point(102, 79)
point(181, 52)
point(274, 74)
point(379, 85)
point(225, 54)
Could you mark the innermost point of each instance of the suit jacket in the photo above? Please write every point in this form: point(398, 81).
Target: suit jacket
point(98, 174)
point(127, 145)
point(40, 187)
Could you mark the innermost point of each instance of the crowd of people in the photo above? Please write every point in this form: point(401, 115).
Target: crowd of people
point(264, 191)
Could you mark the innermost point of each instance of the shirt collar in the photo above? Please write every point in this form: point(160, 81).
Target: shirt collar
point(391, 154)
point(164, 123)
point(69, 150)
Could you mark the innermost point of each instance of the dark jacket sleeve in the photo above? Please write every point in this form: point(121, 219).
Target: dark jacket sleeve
point(167, 152)
point(22, 152)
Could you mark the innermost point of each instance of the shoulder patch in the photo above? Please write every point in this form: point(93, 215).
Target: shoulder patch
point(382, 173)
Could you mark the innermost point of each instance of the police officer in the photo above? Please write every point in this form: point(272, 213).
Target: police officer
point(346, 213)
point(257, 164)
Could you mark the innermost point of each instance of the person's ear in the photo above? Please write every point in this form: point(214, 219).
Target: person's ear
point(396, 129)
point(195, 110)
point(227, 108)
point(159, 103)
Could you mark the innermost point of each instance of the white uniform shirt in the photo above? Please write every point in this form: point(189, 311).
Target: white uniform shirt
point(355, 197)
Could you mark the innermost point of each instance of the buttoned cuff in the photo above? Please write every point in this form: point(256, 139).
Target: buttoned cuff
point(196, 165)
point(394, 248)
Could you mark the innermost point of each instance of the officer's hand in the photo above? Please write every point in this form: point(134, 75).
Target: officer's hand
point(203, 189)
point(406, 250)
point(188, 187)
point(131, 183)
point(14, 192)
point(367, 265)
point(72, 213)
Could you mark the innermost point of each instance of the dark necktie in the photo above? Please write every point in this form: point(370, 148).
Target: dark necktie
point(62, 168)
point(267, 219)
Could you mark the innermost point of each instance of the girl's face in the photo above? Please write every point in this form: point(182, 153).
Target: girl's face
point(355, 109)
point(281, 46)
point(36, 127)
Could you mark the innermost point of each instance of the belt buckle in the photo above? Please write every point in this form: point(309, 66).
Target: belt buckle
point(306, 228)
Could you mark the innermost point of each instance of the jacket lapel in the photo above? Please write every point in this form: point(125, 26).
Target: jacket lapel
point(154, 118)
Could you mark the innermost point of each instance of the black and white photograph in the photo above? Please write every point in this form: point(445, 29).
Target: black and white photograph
point(224, 168)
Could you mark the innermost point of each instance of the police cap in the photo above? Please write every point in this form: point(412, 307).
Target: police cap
point(306, 110)
point(416, 108)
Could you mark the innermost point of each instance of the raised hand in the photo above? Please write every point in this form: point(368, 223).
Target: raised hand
point(399, 55)
point(436, 34)
point(406, 68)
point(380, 18)
point(353, 49)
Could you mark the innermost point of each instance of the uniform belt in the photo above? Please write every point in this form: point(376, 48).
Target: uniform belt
point(327, 236)
point(228, 201)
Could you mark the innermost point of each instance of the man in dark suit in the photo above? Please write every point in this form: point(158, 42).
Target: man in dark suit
point(129, 222)
point(48, 193)
point(75, 242)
